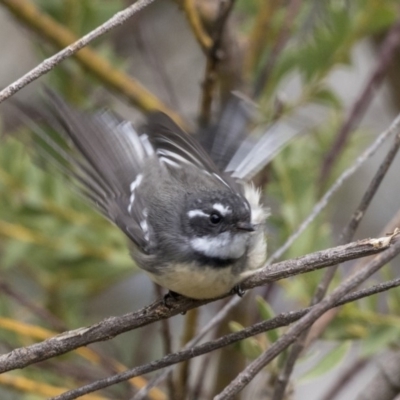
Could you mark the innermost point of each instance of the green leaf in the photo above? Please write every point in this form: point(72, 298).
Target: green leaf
point(13, 252)
point(266, 313)
point(380, 338)
point(328, 362)
point(250, 347)
point(327, 97)
point(235, 326)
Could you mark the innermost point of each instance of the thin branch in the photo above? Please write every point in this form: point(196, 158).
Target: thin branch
point(166, 338)
point(194, 20)
point(393, 129)
point(345, 237)
point(246, 376)
point(98, 66)
point(389, 47)
point(345, 377)
point(212, 324)
point(112, 326)
point(213, 60)
point(201, 384)
point(54, 322)
point(30, 388)
point(385, 384)
point(189, 331)
point(278, 321)
point(108, 364)
point(327, 318)
point(357, 216)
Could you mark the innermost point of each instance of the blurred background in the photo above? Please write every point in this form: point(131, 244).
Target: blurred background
point(328, 68)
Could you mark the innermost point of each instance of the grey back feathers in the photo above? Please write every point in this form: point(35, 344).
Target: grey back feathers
point(110, 161)
point(223, 139)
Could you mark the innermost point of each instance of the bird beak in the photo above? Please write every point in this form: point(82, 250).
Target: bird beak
point(245, 226)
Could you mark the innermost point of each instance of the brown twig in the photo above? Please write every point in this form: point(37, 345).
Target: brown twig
point(54, 322)
point(112, 326)
point(106, 363)
point(212, 324)
point(246, 376)
point(385, 384)
point(214, 57)
point(166, 338)
point(201, 381)
point(345, 377)
point(189, 332)
point(388, 48)
point(280, 320)
point(202, 37)
point(393, 129)
point(346, 236)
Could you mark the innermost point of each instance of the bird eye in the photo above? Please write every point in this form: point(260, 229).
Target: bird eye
point(215, 218)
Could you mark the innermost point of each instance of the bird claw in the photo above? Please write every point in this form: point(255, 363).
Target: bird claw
point(170, 296)
point(238, 290)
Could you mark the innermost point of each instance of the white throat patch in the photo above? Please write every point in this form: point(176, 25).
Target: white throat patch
point(224, 246)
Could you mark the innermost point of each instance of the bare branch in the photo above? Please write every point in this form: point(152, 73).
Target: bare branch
point(385, 385)
point(100, 67)
point(200, 34)
point(55, 323)
point(280, 320)
point(388, 49)
point(393, 129)
point(166, 338)
point(182, 376)
point(345, 377)
point(213, 323)
point(213, 60)
point(112, 326)
point(293, 333)
point(346, 236)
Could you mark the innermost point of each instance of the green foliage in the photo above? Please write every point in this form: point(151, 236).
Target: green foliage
point(45, 228)
point(81, 16)
point(329, 361)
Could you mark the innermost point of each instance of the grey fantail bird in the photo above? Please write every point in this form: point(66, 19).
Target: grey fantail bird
point(194, 227)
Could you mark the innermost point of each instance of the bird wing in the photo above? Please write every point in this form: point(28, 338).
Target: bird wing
point(103, 155)
point(223, 138)
point(263, 144)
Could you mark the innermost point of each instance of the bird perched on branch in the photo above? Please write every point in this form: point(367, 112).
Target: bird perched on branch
point(193, 225)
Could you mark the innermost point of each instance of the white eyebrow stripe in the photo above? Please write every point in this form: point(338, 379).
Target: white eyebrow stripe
point(197, 213)
point(222, 209)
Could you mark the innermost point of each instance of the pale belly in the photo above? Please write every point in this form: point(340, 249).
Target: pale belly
point(197, 282)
